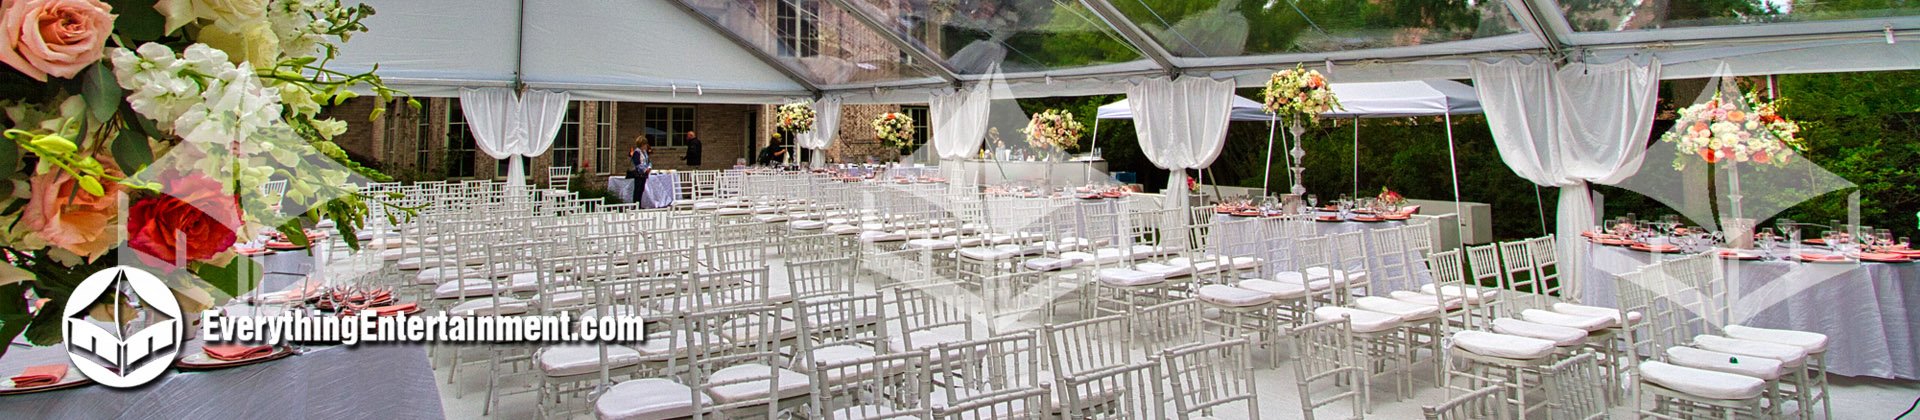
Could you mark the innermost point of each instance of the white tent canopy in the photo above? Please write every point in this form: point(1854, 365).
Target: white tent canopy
point(1243, 110)
point(645, 50)
point(1421, 98)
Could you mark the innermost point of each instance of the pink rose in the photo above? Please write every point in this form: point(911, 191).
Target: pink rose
point(53, 37)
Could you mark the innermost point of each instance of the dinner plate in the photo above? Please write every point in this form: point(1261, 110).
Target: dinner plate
point(1367, 219)
point(1734, 255)
point(1328, 219)
point(199, 360)
point(1643, 248)
point(74, 379)
point(1613, 242)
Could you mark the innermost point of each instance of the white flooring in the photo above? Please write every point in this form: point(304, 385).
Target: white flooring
point(1279, 398)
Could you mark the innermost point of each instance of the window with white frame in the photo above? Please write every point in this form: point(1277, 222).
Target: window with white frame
point(460, 144)
point(797, 26)
point(566, 148)
point(920, 118)
point(603, 138)
point(667, 125)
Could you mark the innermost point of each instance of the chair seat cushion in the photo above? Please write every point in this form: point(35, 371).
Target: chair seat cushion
point(647, 399)
point(990, 253)
point(1165, 270)
point(1757, 367)
point(1474, 295)
point(1789, 355)
point(1424, 299)
point(807, 224)
point(1560, 336)
point(570, 360)
point(844, 229)
point(1587, 323)
point(1279, 290)
point(1701, 382)
point(1233, 296)
point(1050, 264)
point(1299, 279)
point(1128, 277)
point(733, 211)
point(761, 383)
point(1406, 311)
point(1102, 256)
point(1584, 310)
point(1813, 342)
point(1502, 345)
point(1364, 321)
point(933, 243)
point(881, 236)
point(770, 218)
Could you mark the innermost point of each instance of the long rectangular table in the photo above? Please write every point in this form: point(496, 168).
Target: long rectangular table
point(1868, 311)
point(661, 190)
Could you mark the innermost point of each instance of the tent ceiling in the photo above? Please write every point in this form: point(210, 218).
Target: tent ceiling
point(885, 50)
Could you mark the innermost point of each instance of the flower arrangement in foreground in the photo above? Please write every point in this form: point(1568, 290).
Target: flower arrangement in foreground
point(895, 130)
point(795, 117)
point(1298, 95)
point(1053, 128)
point(1719, 129)
point(181, 110)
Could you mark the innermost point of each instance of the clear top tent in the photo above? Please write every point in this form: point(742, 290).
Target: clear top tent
point(888, 51)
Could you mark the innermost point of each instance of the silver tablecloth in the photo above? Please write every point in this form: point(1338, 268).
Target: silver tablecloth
point(1277, 249)
point(1866, 310)
point(661, 190)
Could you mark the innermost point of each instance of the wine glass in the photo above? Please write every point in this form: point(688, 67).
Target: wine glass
point(1313, 200)
point(1767, 240)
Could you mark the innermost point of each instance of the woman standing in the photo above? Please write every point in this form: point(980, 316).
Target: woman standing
point(641, 155)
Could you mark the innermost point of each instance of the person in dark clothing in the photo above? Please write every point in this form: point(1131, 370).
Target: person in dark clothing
point(693, 150)
point(773, 153)
point(642, 156)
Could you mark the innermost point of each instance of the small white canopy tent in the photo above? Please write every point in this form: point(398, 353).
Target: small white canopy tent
point(1424, 98)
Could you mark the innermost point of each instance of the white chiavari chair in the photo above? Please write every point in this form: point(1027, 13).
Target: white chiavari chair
point(1208, 380)
point(891, 386)
point(974, 370)
point(1480, 404)
point(1081, 351)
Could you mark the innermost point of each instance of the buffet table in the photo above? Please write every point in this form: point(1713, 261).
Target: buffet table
point(1866, 310)
point(661, 190)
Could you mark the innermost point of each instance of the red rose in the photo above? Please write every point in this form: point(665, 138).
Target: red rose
point(196, 220)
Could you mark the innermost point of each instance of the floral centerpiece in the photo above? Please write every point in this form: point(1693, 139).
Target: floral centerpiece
point(895, 130)
point(1719, 129)
point(182, 110)
point(1390, 198)
point(795, 118)
point(1054, 129)
point(1298, 95)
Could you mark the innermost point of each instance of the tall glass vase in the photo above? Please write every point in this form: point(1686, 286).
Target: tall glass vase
point(1298, 155)
point(1738, 229)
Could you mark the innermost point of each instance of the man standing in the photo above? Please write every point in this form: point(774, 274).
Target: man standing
point(693, 150)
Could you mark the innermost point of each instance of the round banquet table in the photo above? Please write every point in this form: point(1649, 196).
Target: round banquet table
point(1867, 310)
point(661, 190)
point(1276, 248)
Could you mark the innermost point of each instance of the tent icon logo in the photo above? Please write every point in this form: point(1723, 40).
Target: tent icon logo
point(118, 357)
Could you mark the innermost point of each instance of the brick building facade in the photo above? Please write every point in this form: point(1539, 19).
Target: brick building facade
point(433, 143)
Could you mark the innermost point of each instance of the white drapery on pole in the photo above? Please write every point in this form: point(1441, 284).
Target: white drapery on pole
point(506, 127)
point(826, 126)
point(1568, 127)
point(1182, 124)
point(960, 120)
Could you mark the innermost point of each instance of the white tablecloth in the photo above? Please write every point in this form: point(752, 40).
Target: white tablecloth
point(1866, 310)
point(1277, 248)
point(661, 190)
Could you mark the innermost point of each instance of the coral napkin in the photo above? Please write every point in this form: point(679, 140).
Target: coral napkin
point(40, 376)
point(392, 309)
point(1822, 257)
point(231, 352)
